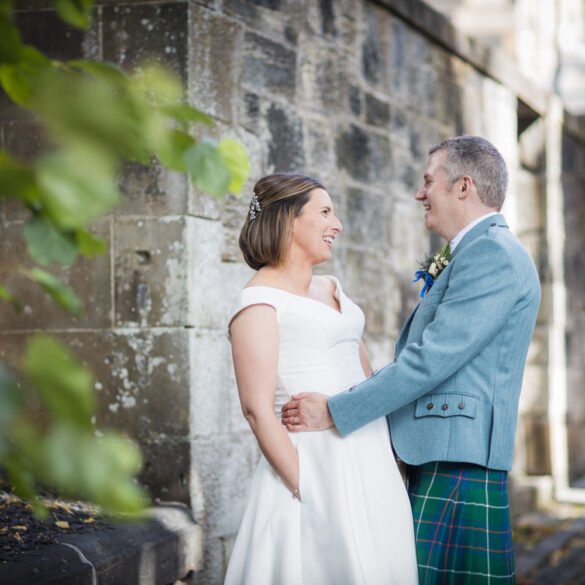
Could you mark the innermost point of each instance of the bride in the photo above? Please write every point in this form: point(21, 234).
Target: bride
point(322, 509)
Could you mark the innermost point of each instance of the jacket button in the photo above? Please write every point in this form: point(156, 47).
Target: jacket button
point(445, 407)
point(461, 405)
point(430, 406)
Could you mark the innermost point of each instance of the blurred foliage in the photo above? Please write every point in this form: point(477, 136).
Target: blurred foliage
point(93, 117)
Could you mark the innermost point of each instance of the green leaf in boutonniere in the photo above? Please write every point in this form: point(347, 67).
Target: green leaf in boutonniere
point(431, 268)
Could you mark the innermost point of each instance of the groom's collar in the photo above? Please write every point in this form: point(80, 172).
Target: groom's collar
point(461, 234)
point(497, 219)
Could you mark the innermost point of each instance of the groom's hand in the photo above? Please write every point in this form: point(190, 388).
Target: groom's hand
point(306, 412)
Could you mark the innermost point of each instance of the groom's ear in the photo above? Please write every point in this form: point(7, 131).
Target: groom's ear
point(465, 186)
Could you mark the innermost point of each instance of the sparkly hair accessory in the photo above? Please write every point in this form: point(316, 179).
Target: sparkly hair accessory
point(255, 207)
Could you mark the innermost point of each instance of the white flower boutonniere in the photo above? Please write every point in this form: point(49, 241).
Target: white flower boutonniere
point(431, 268)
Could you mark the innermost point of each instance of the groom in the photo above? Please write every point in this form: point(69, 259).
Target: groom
point(451, 394)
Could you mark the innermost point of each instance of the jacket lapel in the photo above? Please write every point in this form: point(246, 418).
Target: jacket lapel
point(403, 335)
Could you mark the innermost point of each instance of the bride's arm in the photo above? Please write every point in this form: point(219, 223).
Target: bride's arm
point(254, 334)
point(365, 360)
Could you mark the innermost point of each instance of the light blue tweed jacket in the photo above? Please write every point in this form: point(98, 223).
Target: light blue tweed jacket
point(452, 392)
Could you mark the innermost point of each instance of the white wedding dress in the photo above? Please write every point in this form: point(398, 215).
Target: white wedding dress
point(354, 523)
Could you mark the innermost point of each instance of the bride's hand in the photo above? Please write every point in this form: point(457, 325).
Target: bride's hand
point(306, 412)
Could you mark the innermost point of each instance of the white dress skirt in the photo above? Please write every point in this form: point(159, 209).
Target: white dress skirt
point(354, 523)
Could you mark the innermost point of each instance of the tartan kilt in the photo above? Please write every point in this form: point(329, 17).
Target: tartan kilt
point(461, 524)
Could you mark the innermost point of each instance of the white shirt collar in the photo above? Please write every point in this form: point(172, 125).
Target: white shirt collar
point(455, 241)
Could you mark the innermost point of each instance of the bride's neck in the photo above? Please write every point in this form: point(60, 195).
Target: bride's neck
point(296, 279)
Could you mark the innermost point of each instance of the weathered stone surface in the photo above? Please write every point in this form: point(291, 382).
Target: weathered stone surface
point(215, 40)
point(286, 148)
point(365, 220)
point(374, 51)
point(135, 34)
point(323, 76)
point(355, 100)
point(89, 278)
point(48, 33)
point(152, 191)
point(268, 65)
point(222, 468)
point(150, 272)
point(209, 301)
point(211, 383)
point(364, 155)
point(377, 111)
point(166, 469)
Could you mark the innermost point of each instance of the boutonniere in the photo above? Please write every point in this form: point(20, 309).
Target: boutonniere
point(431, 267)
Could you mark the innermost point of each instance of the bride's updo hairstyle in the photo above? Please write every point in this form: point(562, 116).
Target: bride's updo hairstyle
point(267, 231)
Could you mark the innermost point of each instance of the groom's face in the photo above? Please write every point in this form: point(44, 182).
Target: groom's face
point(438, 197)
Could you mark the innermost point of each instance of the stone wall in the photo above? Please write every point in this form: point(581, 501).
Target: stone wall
point(353, 92)
point(574, 202)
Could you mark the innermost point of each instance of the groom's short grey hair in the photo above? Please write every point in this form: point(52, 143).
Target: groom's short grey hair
point(481, 160)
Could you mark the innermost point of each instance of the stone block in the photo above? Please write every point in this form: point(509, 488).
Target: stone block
point(282, 18)
point(210, 301)
point(152, 190)
point(398, 59)
point(366, 220)
point(323, 76)
point(286, 147)
point(90, 278)
point(250, 112)
point(233, 215)
point(51, 35)
point(142, 380)
point(374, 46)
point(138, 33)
point(222, 469)
point(377, 111)
point(321, 161)
point(355, 100)
point(215, 40)
point(211, 383)
point(365, 155)
point(150, 272)
point(268, 66)
point(166, 469)
point(365, 270)
point(400, 128)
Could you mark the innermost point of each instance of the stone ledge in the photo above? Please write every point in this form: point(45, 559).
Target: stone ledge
point(159, 550)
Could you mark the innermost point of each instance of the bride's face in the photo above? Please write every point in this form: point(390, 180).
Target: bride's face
point(315, 229)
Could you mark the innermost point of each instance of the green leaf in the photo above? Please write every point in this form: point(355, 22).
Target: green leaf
point(101, 69)
point(16, 180)
point(77, 187)
point(98, 469)
point(99, 114)
point(6, 7)
point(59, 292)
point(186, 114)
point(236, 159)
point(208, 169)
point(75, 12)
point(63, 384)
point(10, 46)
point(160, 86)
point(22, 80)
point(171, 151)
point(89, 245)
point(47, 244)
point(11, 401)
